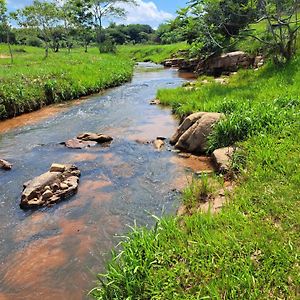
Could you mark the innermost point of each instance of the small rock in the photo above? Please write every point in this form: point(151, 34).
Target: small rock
point(47, 187)
point(223, 158)
point(158, 144)
point(95, 137)
point(64, 186)
point(154, 102)
point(57, 168)
point(55, 187)
point(79, 144)
point(47, 194)
point(5, 165)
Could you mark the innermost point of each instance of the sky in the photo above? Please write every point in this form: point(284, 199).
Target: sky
point(152, 12)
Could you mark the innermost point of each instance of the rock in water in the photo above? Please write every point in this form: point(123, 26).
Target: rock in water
point(222, 158)
point(95, 137)
point(154, 102)
point(79, 144)
point(51, 187)
point(5, 165)
point(192, 135)
point(158, 144)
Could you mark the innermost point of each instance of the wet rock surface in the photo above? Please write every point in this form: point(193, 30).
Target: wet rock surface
point(60, 182)
point(5, 165)
point(158, 144)
point(154, 102)
point(193, 133)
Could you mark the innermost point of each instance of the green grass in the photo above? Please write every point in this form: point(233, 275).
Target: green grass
point(251, 249)
point(154, 53)
point(32, 82)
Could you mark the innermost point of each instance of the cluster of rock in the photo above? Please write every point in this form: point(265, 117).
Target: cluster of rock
point(5, 165)
point(88, 139)
point(192, 135)
point(60, 182)
point(217, 65)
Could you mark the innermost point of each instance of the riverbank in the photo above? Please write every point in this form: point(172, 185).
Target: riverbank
point(250, 250)
point(32, 82)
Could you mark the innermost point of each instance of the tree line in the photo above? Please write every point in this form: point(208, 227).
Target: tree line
point(55, 24)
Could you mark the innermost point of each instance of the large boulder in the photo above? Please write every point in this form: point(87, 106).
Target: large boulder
point(192, 135)
point(5, 165)
point(51, 187)
point(222, 159)
point(228, 62)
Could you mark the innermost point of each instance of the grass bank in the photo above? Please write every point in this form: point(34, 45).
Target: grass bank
point(251, 249)
point(32, 82)
point(153, 53)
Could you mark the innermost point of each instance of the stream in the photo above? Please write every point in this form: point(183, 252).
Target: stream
point(54, 253)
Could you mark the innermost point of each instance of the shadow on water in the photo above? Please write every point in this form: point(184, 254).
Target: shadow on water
point(54, 253)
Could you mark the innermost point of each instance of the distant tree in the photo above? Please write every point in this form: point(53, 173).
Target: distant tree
point(101, 9)
point(5, 27)
point(42, 16)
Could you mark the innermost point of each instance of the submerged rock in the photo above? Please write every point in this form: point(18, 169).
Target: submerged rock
point(51, 187)
point(192, 135)
point(222, 159)
point(5, 165)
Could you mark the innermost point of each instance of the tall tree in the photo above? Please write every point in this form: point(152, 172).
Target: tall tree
point(42, 16)
point(101, 9)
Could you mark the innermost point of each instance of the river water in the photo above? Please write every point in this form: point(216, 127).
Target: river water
point(54, 253)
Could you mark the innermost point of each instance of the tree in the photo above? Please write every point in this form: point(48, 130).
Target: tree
point(101, 9)
point(42, 16)
point(5, 27)
point(281, 27)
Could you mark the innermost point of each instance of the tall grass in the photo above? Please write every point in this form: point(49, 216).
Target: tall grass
point(251, 249)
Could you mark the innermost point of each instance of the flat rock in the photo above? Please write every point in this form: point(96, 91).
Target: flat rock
point(50, 187)
point(222, 159)
point(95, 137)
point(5, 165)
point(79, 144)
point(192, 135)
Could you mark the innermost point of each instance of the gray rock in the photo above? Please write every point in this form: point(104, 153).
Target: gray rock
point(5, 165)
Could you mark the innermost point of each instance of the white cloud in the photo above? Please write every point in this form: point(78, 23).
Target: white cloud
point(145, 13)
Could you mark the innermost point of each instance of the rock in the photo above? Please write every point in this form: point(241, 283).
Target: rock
point(154, 102)
point(186, 124)
point(64, 186)
point(174, 62)
point(47, 194)
point(95, 137)
point(193, 134)
point(79, 144)
point(158, 144)
point(225, 63)
point(259, 61)
point(50, 187)
point(222, 159)
point(5, 165)
point(184, 155)
point(57, 168)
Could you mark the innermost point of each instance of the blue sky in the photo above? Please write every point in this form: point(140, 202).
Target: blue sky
point(152, 12)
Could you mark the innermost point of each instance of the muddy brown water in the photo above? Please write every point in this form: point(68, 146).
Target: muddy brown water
point(54, 253)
